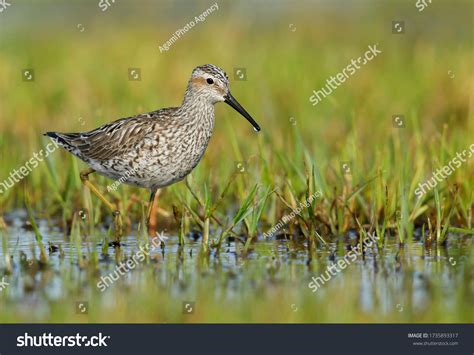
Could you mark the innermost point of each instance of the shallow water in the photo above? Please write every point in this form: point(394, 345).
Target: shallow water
point(409, 281)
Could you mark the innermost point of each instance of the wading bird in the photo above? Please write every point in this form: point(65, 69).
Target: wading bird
point(158, 148)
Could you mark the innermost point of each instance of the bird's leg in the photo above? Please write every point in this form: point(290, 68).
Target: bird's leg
point(116, 213)
point(150, 210)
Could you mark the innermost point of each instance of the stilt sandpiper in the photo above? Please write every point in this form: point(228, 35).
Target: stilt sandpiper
point(158, 148)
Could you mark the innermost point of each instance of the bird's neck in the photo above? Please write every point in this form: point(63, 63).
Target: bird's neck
point(198, 109)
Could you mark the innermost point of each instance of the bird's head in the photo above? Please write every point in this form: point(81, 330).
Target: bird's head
point(211, 83)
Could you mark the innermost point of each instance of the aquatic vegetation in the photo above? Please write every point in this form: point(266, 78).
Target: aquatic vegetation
point(236, 245)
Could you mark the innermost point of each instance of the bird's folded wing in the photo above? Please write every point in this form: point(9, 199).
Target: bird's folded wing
point(111, 140)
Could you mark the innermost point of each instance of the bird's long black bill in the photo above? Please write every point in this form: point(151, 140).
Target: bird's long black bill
point(231, 101)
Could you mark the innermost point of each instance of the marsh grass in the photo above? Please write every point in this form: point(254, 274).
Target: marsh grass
point(285, 164)
point(384, 201)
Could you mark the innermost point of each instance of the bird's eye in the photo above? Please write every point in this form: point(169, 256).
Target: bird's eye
point(210, 81)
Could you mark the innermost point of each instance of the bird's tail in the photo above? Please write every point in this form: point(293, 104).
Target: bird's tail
point(64, 140)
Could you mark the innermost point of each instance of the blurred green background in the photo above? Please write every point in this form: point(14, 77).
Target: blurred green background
point(81, 55)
